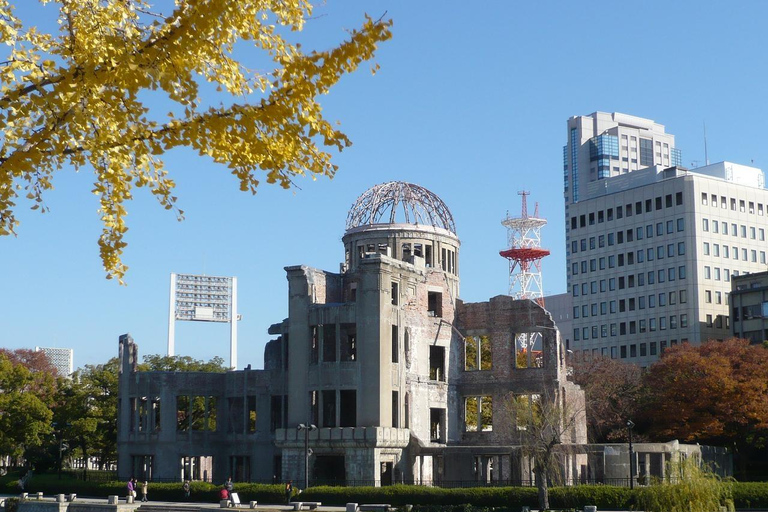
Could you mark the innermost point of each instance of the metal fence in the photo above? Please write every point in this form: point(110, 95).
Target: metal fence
point(91, 475)
point(111, 476)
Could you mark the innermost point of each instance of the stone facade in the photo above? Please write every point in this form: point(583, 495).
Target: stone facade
point(400, 380)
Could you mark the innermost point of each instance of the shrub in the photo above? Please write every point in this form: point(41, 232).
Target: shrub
point(695, 490)
point(11, 504)
point(603, 496)
point(749, 494)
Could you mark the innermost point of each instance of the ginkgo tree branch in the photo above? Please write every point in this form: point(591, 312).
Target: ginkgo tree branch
point(74, 100)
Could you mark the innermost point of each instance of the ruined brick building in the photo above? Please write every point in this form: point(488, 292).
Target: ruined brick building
point(404, 381)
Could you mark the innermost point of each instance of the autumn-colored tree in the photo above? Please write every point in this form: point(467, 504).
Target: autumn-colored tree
point(715, 393)
point(34, 361)
point(613, 392)
point(78, 99)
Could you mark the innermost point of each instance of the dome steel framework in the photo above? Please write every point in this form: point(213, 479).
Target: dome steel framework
point(389, 202)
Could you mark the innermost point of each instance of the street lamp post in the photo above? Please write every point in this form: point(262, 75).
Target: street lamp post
point(630, 426)
point(307, 452)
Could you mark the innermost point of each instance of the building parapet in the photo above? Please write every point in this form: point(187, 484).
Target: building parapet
point(380, 437)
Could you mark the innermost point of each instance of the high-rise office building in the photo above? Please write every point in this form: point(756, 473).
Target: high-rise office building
point(61, 358)
point(651, 249)
point(603, 145)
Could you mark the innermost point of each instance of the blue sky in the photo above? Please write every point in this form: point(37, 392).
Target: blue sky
point(470, 102)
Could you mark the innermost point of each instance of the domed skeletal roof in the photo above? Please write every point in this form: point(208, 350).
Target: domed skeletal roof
point(400, 202)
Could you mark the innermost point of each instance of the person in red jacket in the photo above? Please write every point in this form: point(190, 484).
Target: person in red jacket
point(223, 494)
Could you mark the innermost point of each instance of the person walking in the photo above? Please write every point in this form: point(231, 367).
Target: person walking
point(131, 488)
point(230, 487)
point(144, 491)
point(288, 491)
point(186, 489)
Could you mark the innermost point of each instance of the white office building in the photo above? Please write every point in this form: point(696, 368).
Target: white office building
point(651, 250)
point(61, 358)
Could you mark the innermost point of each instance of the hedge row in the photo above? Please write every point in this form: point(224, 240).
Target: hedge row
point(398, 495)
point(745, 494)
point(201, 492)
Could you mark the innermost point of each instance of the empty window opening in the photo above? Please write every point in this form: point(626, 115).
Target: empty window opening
point(148, 414)
point(437, 425)
point(329, 343)
point(182, 413)
point(395, 347)
point(240, 468)
point(407, 411)
point(314, 344)
point(141, 466)
point(142, 413)
point(487, 468)
point(528, 352)
point(527, 411)
point(478, 414)
point(395, 293)
point(418, 250)
point(406, 250)
point(407, 347)
point(435, 304)
point(348, 337)
point(314, 408)
point(251, 414)
point(156, 413)
point(395, 410)
point(436, 363)
point(195, 413)
point(276, 413)
point(196, 468)
point(477, 353)
point(329, 408)
point(347, 408)
point(428, 256)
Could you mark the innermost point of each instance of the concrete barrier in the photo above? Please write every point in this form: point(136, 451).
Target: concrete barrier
point(253, 504)
point(590, 508)
point(60, 498)
point(351, 507)
point(112, 500)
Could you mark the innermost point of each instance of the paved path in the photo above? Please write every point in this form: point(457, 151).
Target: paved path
point(194, 506)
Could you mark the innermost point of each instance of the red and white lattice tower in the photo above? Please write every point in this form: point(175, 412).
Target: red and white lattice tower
point(524, 253)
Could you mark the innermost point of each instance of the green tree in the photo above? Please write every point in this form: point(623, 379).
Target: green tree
point(75, 418)
point(25, 414)
point(77, 98)
point(90, 411)
point(158, 363)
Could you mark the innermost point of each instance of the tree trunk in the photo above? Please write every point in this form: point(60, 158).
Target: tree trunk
point(541, 482)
